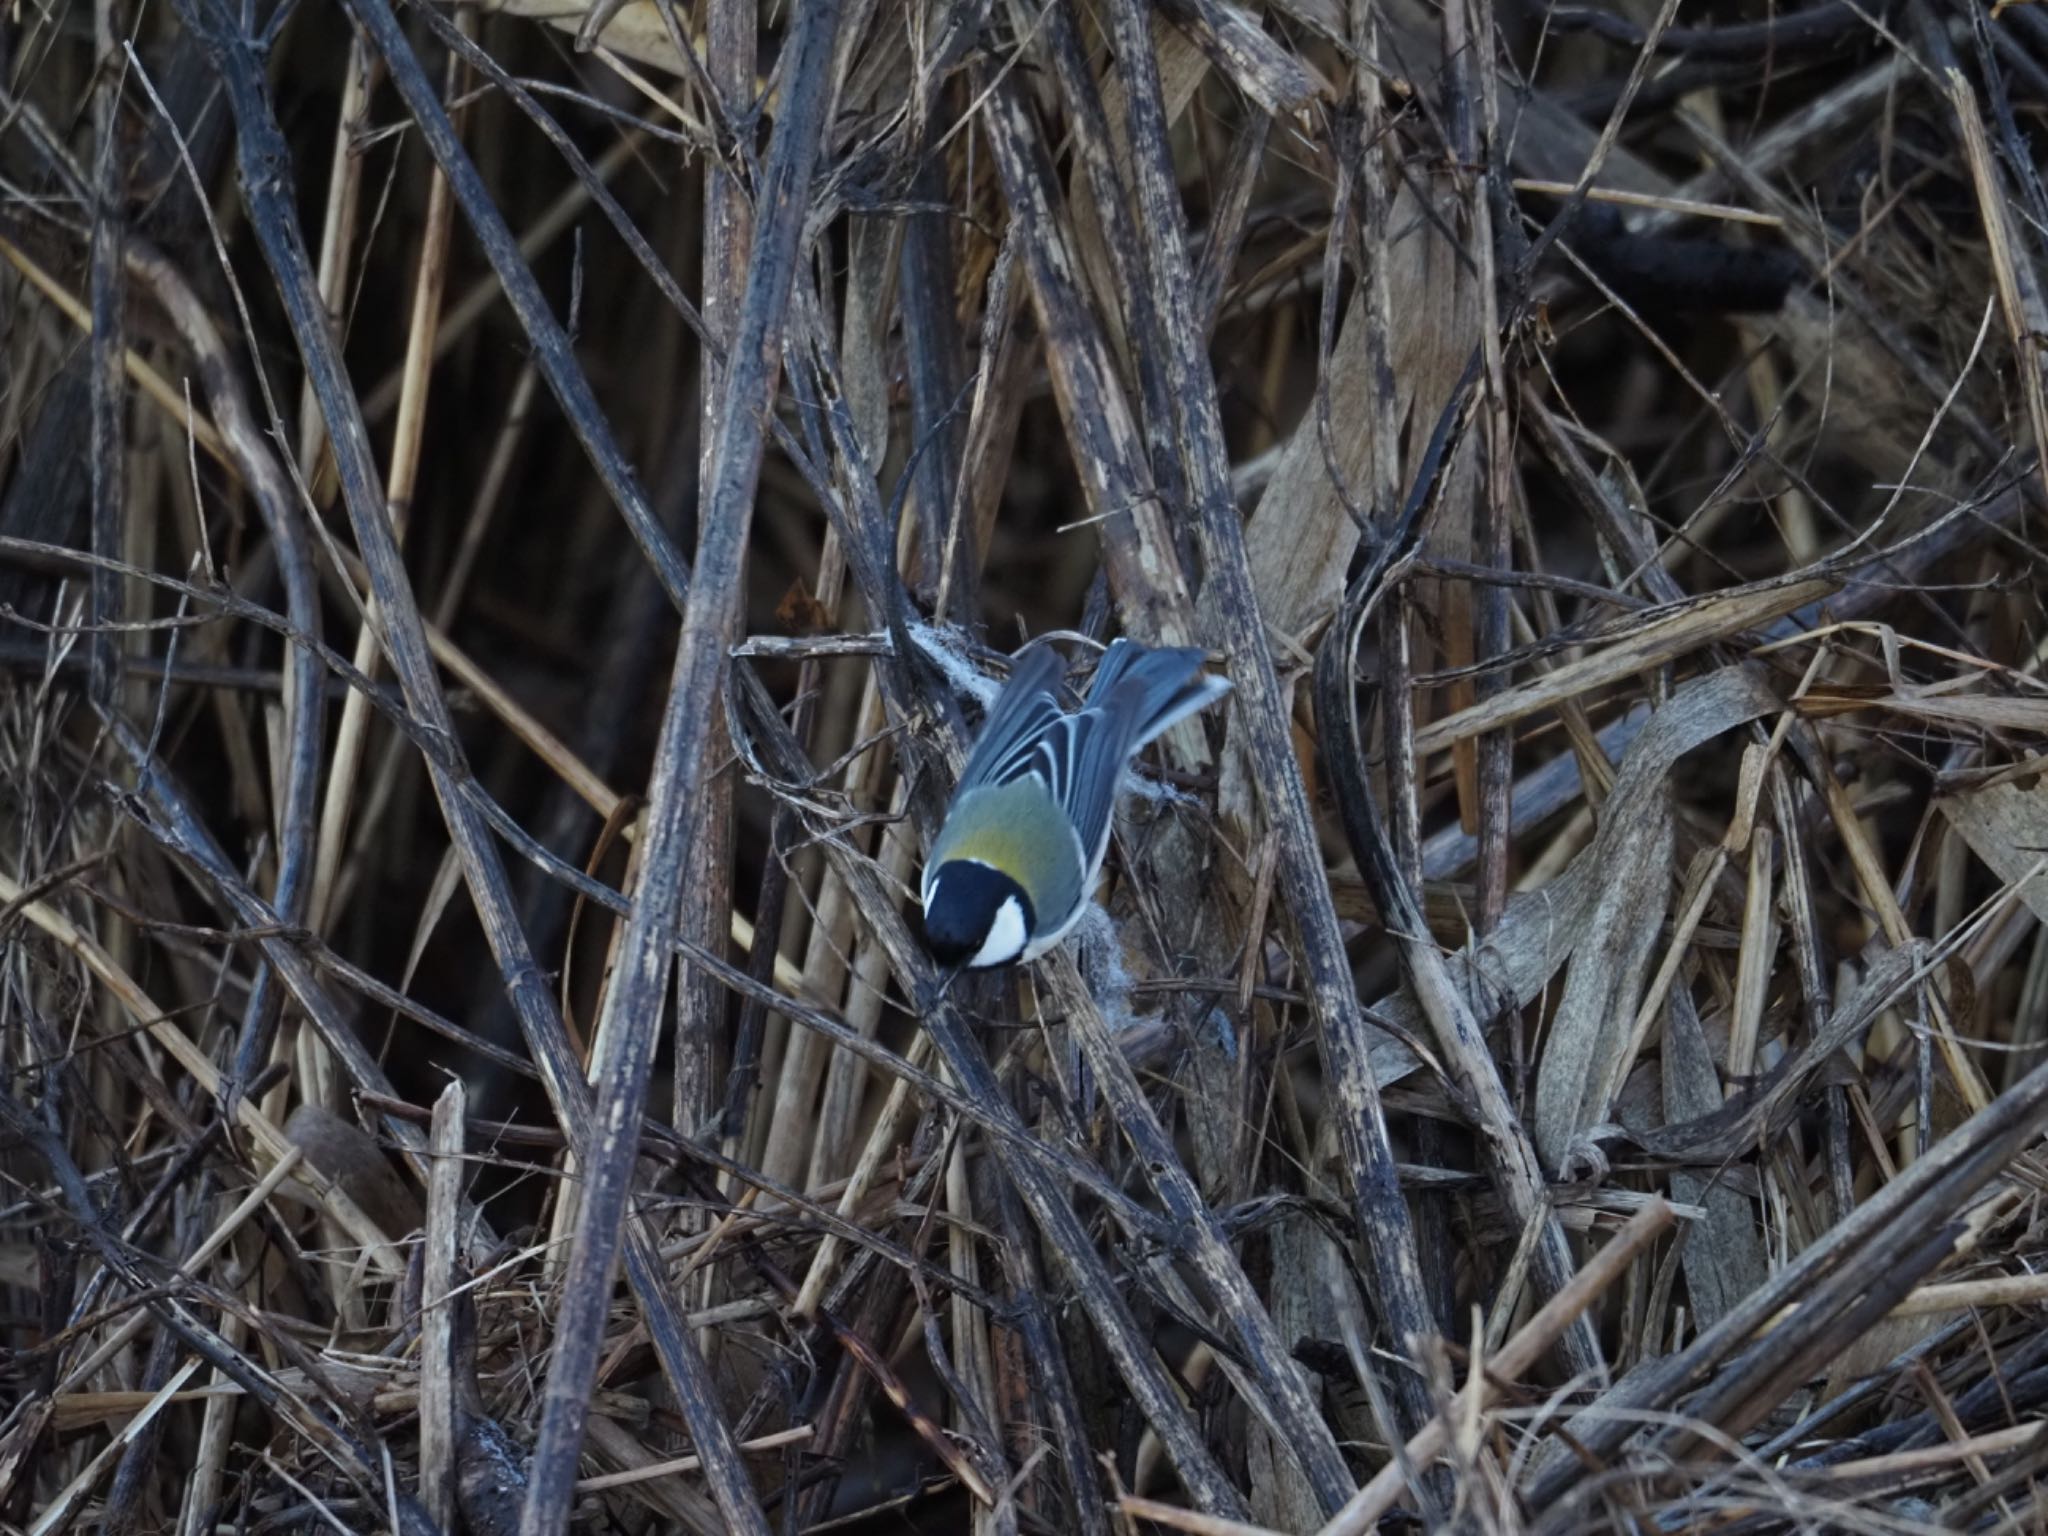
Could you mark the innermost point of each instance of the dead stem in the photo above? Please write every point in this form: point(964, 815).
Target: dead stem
point(1563, 1048)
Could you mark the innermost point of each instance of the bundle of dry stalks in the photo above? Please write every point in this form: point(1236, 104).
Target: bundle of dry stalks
point(509, 515)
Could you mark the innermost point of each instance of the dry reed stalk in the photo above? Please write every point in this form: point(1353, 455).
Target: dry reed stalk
point(1627, 428)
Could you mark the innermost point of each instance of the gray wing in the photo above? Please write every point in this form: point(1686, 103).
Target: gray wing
point(1156, 688)
point(1138, 693)
point(1083, 760)
point(1026, 708)
point(1078, 757)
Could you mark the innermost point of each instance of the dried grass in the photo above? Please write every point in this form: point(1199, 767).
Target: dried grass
point(506, 509)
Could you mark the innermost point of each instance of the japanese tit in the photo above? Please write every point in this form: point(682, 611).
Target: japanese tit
point(1015, 861)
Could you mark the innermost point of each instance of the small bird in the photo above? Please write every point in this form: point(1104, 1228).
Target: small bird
point(1016, 859)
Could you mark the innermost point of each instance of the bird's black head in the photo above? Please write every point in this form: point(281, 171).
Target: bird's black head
point(976, 916)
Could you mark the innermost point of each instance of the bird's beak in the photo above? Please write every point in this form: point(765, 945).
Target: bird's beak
point(946, 979)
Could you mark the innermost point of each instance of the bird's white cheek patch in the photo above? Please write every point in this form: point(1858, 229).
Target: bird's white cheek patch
point(1006, 936)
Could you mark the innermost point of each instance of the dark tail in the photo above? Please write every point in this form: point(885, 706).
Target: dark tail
point(1159, 688)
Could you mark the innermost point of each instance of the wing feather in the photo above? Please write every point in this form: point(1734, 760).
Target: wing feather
point(1096, 749)
point(1080, 758)
point(1020, 714)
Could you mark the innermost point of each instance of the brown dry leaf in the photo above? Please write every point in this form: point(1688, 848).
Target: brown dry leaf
point(2006, 825)
point(1281, 82)
point(1541, 928)
point(864, 364)
point(1734, 1128)
point(351, 1157)
point(635, 33)
point(1683, 454)
point(1582, 1059)
point(1866, 393)
point(1301, 536)
point(1303, 1260)
point(1976, 711)
point(1724, 1257)
point(1888, 1338)
point(800, 612)
point(1323, 16)
point(1645, 641)
point(1550, 142)
point(1182, 68)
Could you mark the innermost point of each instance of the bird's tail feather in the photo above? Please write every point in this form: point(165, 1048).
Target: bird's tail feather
point(1163, 686)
